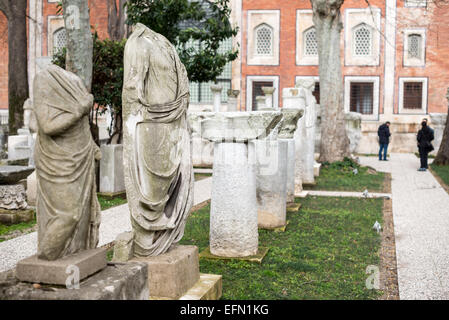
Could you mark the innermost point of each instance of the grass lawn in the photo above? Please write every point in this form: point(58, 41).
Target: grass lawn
point(442, 172)
point(6, 230)
point(107, 202)
point(200, 175)
point(323, 254)
point(339, 176)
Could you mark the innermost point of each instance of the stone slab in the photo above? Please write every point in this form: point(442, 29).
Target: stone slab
point(208, 287)
point(172, 274)
point(10, 217)
point(37, 270)
point(301, 194)
point(117, 281)
point(261, 253)
point(277, 229)
point(293, 207)
point(112, 195)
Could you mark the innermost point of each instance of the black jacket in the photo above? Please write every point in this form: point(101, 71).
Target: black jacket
point(384, 134)
point(425, 137)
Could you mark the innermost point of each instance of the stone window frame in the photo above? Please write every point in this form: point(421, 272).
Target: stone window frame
point(249, 90)
point(255, 18)
point(415, 3)
point(264, 25)
point(54, 23)
point(410, 61)
point(376, 95)
point(354, 18)
point(304, 21)
point(425, 88)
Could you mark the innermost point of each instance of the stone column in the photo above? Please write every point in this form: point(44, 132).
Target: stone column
point(293, 98)
point(233, 214)
point(353, 122)
point(216, 92)
point(260, 103)
point(232, 99)
point(268, 91)
point(308, 133)
point(271, 159)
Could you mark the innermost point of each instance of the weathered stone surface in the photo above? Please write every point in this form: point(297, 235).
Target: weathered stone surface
point(268, 92)
point(290, 122)
point(156, 141)
point(232, 100)
point(117, 281)
point(13, 174)
point(13, 197)
point(216, 93)
point(208, 287)
point(123, 247)
point(353, 122)
point(233, 214)
point(438, 122)
point(290, 170)
point(31, 189)
point(271, 189)
point(67, 207)
point(36, 270)
point(172, 274)
point(239, 126)
point(18, 147)
point(111, 169)
point(9, 217)
point(202, 149)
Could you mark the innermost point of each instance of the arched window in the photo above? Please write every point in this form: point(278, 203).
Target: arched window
point(414, 46)
point(362, 37)
point(59, 40)
point(310, 42)
point(264, 40)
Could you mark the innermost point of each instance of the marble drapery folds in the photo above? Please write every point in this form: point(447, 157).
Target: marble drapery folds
point(157, 151)
point(68, 211)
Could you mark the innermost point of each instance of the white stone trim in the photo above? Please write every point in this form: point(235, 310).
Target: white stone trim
point(390, 58)
point(423, 109)
point(415, 62)
point(249, 90)
point(54, 23)
point(415, 3)
point(347, 100)
point(304, 21)
point(255, 18)
point(372, 18)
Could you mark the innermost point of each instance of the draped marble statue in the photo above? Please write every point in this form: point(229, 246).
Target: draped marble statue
point(68, 212)
point(157, 155)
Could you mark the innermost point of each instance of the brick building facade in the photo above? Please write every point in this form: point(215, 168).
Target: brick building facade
point(394, 56)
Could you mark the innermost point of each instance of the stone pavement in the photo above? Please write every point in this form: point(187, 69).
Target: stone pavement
point(113, 222)
point(421, 226)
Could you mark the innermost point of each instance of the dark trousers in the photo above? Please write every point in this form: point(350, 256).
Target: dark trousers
point(384, 148)
point(424, 155)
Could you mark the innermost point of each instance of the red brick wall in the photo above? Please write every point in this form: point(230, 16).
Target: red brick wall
point(435, 20)
point(287, 69)
point(3, 62)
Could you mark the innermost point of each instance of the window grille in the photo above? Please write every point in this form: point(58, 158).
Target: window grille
point(257, 90)
point(310, 42)
point(362, 41)
point(264, 40)
point(412, 95)
point(361, 97)
point(414, 46)
point(59, 40)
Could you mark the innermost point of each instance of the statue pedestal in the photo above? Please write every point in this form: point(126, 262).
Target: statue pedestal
point(271, 183)
point(290, 170)
point(233, 214)
point(176, 275)
point(57, 271)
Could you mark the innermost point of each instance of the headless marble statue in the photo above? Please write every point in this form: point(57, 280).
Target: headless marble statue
point(157, 155)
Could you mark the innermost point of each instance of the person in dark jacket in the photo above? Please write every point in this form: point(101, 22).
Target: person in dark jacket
point(384, 139)
point(425, 137)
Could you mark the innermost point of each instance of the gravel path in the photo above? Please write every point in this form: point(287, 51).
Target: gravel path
point(113, 222)
point(421, 225)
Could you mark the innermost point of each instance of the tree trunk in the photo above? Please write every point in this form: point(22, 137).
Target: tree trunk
point(442, 157)
point(15, 12)
point(334, 139)
point(116, 20)
point(79, 39)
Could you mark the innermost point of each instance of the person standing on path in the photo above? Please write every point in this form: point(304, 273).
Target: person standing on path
point(425, 137)
point(384, 139)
